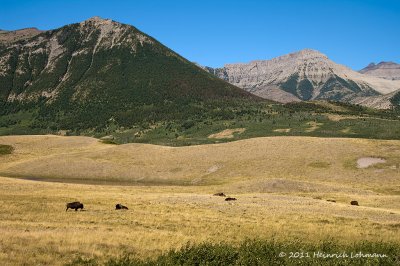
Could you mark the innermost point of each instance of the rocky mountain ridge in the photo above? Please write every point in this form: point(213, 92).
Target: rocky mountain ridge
point(304, 75)
point(16, 35)
point(386, 70)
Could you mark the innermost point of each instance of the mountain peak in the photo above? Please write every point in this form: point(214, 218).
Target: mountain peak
point(385, 69)
point(386, 63)
point(97, 19)
point(309, 53)
point(299, 56)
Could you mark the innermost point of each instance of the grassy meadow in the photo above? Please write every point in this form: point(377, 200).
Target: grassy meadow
point(282, 186)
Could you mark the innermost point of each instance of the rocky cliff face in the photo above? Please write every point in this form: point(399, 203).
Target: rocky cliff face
point(304, 75)
point(386, 70)
point(43, 65)
point(385, 101)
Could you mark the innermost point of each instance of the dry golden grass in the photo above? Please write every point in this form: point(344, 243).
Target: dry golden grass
point(253, 162)
point(36, 229)
point(282, 185)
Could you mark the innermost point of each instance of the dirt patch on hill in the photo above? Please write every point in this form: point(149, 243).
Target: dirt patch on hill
point(227, 133)
point(347, 130)
point(313, 126)
point(366, 162)
point(335, 117)
point(282, 130)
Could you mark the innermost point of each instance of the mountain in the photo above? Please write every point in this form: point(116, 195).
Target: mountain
point(381, 101)
point(86, 74)
point(303, 75)
point(386, 70)
point(12, 36)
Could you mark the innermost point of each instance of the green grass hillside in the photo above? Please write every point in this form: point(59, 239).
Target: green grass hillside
point(205, 122)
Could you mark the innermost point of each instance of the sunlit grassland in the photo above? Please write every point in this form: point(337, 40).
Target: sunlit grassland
point(282, 185)
point(283, 164)
point(36, 229)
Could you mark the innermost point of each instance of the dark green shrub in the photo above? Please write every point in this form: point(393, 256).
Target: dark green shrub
point(269, 252)
point(6, 149)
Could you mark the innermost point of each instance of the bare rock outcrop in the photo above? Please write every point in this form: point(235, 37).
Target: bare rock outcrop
point(304, 75)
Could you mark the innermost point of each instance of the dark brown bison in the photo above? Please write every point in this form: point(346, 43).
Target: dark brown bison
point(220, 194)
point(229, 199)
point(354, 202)
point(120, 207)
point(74, 205)
point(331, 200)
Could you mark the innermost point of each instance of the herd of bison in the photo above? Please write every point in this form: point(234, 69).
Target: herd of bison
point(78, 205)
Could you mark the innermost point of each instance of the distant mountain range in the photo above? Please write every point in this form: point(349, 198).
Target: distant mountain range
point(386, 70)
point(307, 75)
point(100, 73)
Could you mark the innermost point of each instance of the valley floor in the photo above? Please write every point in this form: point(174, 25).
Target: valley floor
point(282, 185)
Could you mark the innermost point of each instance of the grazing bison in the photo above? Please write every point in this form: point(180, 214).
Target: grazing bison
point(229, 199)
point(220, 194)
point(120, 207)
point(74, 205)
point(331, 200)
point(354, 202)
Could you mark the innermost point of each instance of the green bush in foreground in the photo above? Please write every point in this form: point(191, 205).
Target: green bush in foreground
point(5, 149)
point(260, 252)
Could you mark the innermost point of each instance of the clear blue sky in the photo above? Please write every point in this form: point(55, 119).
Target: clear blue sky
point(212, 32)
